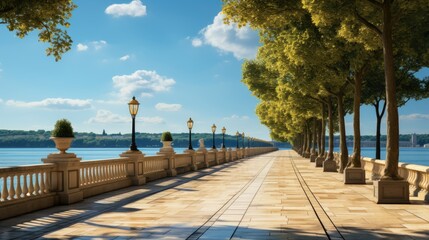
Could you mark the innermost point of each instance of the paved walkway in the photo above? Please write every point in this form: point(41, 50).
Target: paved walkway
point(273, 196)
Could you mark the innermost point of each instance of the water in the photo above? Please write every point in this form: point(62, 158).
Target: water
point(28, 156)
point(419, 156)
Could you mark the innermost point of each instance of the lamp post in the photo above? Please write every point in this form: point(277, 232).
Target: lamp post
point(223, 137)
point(133, 106)
point(242, 138)
point(237, 134)
point(248, 142)
point(213, 131)
point(190, 125)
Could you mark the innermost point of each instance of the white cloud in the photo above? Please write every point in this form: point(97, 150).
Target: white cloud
point(415, 116)
point(236, 117)
point(105, 116)
point(99, 44)
point(1, 100)
point(152, 120)
point(146, 95)
point(54, 103)
point(168, 107)
point(124, 58)
point(82, 47)
point(241, 42)
point(141, 83)
point(134, 9)
point(196, 42)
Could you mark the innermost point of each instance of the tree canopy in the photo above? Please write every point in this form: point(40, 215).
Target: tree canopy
point(49, 17)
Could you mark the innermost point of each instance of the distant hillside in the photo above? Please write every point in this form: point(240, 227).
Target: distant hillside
point(40, 139)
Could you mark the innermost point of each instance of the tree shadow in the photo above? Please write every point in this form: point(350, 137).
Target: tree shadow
point(40, 222)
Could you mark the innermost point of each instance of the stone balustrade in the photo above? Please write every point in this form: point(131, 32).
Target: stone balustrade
point(416, 175)
point(65, 179)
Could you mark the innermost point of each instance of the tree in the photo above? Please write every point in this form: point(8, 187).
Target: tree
point(50, 18)
point(389, 25)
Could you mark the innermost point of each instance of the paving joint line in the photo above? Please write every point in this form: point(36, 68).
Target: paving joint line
point(306, 189)
point(206, 226)
point(39, 233)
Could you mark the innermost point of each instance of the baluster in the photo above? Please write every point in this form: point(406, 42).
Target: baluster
point(115, 166)
point(109, 172)
point(94, 173)
point(36, 185)
point(103, 172)
point(82, 176)
point(90, 175)
point(12, 187)
point(25, 187)
point(18, 187)
point(5, 192)
point(42, 183)
point(31, 187)
point(47, 182)
point(99, 174)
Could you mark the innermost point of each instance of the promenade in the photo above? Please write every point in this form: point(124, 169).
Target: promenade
point(278, 195)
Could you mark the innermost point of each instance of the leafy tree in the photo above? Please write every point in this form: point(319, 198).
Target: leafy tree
point(392, 26)
point(50, 18)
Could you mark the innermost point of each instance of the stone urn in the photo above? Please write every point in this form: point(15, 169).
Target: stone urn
point(62, 143)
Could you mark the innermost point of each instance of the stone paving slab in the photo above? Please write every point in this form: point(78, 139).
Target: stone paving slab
point(279, 195)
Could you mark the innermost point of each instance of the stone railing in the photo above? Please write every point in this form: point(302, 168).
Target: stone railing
point(65, 179)
point(416, 175)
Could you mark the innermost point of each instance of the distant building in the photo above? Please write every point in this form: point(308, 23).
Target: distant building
point(426, 145)
point(414, 140)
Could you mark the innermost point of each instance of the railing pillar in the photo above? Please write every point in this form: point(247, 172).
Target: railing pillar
point(169, 153)
point(228, 156)
point(193, 156)
point(214, 151)
point(65, 178)
point(135, 169)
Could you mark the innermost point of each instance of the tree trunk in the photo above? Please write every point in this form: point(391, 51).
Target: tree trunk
point(331, 131)
point(313, 144)
point(304, 141)
point(392, 143)
point(323, 132)
point(319, 137)
point(355, 161)
point(379, 116)
point(307, 151)
point(344, 157)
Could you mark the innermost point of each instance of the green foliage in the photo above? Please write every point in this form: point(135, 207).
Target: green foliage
point(166, 136)
point(40, 138)
point(50, 18)
point(62, 128)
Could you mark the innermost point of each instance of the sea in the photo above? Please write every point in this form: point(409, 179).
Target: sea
point(29, 156)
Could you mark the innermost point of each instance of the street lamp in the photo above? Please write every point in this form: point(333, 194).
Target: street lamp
point(242, 138)
point(237, 134)
point(248, 142)
point(133, 106)
point(223, 137)
point(190, 125)
point(213, 131)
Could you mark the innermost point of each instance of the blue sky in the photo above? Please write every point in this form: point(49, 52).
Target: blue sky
point(176, 57)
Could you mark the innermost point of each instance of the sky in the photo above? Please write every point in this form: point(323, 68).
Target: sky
point(177, 58)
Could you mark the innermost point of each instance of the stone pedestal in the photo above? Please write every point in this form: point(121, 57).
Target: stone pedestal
point(329, 166)
point(319, 161)
point(194, 166)
point(391, 191)
point(169, 153)
point(65, 178)
point(354, 176)
point(313, 157)
point(214, 151)
point(135, 166)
